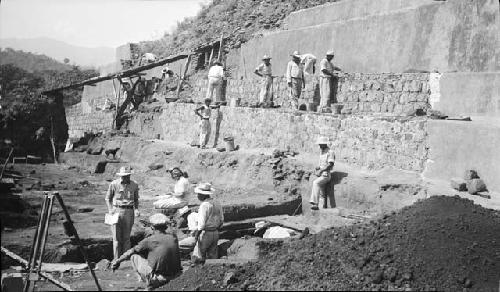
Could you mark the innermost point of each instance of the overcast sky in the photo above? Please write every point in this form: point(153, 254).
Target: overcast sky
point(93, 23)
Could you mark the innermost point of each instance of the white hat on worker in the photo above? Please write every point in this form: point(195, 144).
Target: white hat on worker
point(158, 219)
point(322, 140)
point(295, 54)
point(204, 189)
point(183, 210)
point(266, 57)
point(124, 170)
point(330, 53)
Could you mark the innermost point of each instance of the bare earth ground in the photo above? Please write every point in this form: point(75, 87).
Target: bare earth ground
point(251, 183)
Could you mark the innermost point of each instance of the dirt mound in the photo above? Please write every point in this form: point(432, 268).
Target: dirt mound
point(444, 243)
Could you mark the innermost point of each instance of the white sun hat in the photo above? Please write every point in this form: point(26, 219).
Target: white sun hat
point(204, 189)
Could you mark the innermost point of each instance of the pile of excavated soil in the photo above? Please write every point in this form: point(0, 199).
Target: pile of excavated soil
point(443, 243)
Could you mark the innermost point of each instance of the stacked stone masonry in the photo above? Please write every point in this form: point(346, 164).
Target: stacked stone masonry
point(370, 141)
point(94, 122)
point(357, 93)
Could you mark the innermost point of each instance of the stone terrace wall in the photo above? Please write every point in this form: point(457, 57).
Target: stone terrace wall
point(80, 122)
point(358, 93)
point(374, 142)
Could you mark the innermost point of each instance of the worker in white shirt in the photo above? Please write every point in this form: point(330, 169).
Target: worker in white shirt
point(265, 72)
point(295, 79)
point(204, 113)
point(215, 76)
point(324, 174)
point(328, 72)
point(210, 220)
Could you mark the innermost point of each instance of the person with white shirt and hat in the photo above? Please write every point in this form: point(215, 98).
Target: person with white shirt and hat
point(295, 79)
point(122, 197)
point(210, 220)
point(326, 76)
point(264, 71)
point(324, 173)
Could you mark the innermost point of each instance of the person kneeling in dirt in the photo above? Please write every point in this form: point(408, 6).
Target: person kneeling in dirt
point(162, 262)
point(326, 162)
point(210, 220)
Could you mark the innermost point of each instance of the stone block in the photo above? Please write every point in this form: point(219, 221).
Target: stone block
point(404, 98)
point(476, 185)
point(423, 97)
point(458, 184)
point(379, 96)
point(375, 107)
point(412, 97)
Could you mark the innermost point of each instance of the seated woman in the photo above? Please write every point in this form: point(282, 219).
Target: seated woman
point(171, 202)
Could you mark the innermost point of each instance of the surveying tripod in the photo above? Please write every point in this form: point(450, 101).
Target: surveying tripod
point(34, 266)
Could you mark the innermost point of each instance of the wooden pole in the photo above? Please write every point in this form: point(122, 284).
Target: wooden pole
point(210, 59)
point(181, 78)
point(47, 276)
point(52, 140)
point(78, 241)
point(220, 47)
point(117, 97)
point(6, 161)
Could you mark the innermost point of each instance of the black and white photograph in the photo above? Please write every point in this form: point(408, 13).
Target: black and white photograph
point(250, 145)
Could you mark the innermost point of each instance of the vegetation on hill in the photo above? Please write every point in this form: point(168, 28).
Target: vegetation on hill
point(239, 20)
point(31, 62)
point(24, 108)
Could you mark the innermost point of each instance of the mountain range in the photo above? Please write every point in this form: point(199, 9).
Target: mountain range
point(82, 56)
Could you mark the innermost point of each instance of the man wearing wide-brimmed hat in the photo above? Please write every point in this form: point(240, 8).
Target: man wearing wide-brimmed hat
point(210, 220)
point(123, 197)
point(326, 76)
point(162, 262)
point(324, 170)
point(265, 72)
point(295, 79)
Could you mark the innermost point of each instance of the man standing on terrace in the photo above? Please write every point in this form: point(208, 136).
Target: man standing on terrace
point(215, 79)
point(265, 72)
point(326, 77)
point(295, 79)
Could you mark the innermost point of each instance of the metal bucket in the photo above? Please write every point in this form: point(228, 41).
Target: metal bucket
point(229, 143)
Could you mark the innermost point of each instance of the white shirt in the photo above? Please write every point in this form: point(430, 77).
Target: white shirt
point(216, 71)
point(264, 69)
point(326, 157)
point(294, 70)
point(192, 221)
point(309, 60)
point(181, 187)
point(210, 215)
point(206, 112)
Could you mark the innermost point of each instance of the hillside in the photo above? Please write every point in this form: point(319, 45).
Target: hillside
point(239, 20)
point(81, 56)
point(31, 62)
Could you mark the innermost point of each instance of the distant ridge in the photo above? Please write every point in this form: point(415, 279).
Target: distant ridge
point(81, 56)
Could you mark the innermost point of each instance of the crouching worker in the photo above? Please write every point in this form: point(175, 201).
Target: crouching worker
point(162, 262)
point(210, 220)
point(324, 170)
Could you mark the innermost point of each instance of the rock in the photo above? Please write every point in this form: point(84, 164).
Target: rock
point(407, 276)
point(155, 166)
point(470, 174)
point(230, 278)
point(458, 184)
point(85, 210)
point(485, 195)
point(390, 274)
point(32, 172)
point(95, 151)
point(377, 277)
point(468, 283)
point(476, 185)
